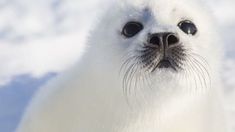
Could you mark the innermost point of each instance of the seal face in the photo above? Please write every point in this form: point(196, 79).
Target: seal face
point(162, 49)
point(162, 43)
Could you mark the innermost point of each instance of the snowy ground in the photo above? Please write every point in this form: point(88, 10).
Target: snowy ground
point(41, 38)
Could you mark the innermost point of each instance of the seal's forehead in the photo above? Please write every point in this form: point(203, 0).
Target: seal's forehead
point(143, 3)
point(163, 5)
point(163, 8)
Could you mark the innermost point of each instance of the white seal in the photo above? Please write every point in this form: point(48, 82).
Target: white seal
point(149, 66)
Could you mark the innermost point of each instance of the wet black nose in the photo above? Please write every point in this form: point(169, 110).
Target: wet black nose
point(163, 39)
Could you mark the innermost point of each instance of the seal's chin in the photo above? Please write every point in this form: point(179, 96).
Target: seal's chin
point(164, 64)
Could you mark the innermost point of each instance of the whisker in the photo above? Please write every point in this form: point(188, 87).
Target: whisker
point(192, 73)
point(203, 65)
point(198, 67)
point(197, 74)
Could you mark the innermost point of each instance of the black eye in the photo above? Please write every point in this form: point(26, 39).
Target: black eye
point(188, 27)
point(131, 29)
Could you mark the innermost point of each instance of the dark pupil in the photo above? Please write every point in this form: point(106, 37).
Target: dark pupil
point(131, 29)
point(188, 27)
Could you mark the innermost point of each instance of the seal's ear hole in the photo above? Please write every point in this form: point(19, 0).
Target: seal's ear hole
point(131, 29)
point(188, 27)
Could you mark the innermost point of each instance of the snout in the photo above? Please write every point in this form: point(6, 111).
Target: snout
point(164, 50)
point(163, 40)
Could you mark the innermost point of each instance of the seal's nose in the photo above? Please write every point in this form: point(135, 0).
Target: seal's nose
point(163, 39)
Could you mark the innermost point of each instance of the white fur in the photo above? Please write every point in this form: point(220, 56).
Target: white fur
point(90, 97)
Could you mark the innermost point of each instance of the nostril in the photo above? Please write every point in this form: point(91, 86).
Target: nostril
point(155, 40)
point(172, 39)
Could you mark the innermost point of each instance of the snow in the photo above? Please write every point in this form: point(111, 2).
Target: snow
point(38, 37)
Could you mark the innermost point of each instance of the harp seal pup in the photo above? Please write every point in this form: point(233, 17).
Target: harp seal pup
point(149, 66)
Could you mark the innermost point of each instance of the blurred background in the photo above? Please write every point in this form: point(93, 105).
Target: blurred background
point(39, 39)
